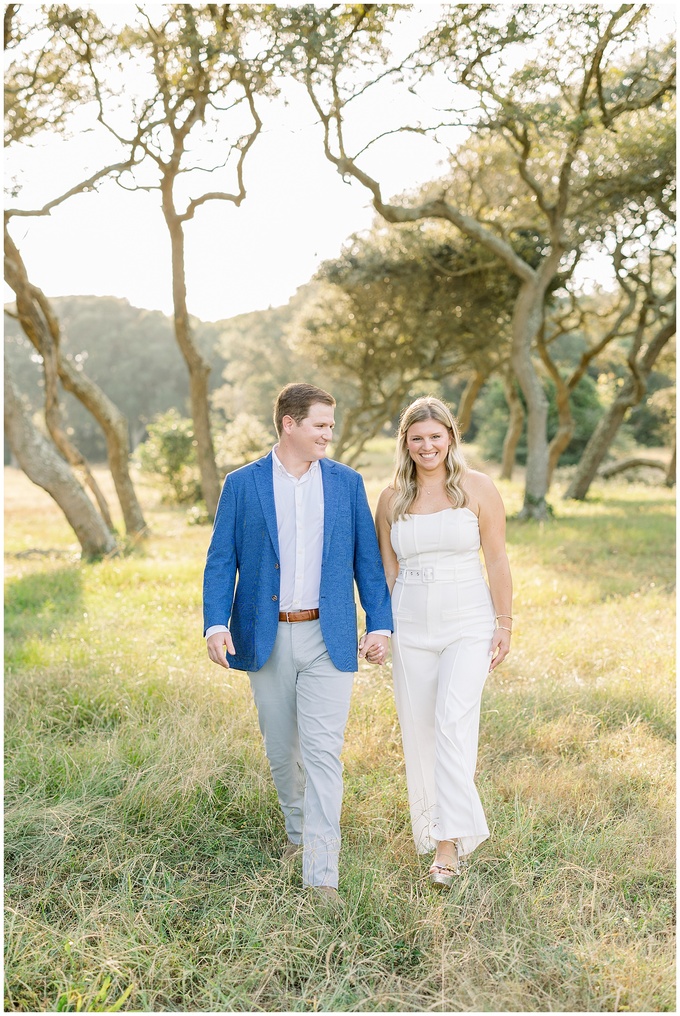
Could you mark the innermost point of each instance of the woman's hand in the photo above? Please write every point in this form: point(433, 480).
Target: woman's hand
point(500, 647)
point(373, 648)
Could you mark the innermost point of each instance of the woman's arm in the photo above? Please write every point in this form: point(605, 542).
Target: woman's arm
point(492, 535)
point(383, 525)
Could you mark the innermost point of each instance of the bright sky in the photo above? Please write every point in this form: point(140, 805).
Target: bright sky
point(298, 211)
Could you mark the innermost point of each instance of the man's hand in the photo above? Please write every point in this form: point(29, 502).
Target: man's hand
point(373, 648)
point(218, 645)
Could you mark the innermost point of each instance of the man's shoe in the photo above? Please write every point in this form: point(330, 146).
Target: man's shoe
point(291, 852)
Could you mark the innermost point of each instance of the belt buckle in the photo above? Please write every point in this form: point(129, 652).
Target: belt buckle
point(428, 573)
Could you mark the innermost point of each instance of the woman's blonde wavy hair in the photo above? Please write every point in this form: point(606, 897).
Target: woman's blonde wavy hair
point(404, 483)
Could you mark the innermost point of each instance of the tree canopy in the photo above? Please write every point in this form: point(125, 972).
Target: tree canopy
point(559, 128)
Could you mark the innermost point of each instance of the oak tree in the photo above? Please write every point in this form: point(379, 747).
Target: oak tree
point(543, 79)
point(45, 71)
point(200, 71)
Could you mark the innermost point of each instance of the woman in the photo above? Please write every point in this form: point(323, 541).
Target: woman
point(450, 627)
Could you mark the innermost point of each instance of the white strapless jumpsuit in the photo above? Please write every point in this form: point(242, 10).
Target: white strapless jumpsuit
point(444, 621)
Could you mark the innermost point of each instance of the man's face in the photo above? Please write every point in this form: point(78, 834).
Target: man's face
point(309, 439)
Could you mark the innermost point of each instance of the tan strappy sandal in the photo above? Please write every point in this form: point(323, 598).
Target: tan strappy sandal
point(443, 875)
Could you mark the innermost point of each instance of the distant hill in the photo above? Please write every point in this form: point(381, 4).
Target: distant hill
point(132, 354)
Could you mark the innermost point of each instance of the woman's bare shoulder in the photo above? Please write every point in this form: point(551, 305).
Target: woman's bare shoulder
point(479, 487)
point(476, 480)
point(386, 498)
point(383, 512)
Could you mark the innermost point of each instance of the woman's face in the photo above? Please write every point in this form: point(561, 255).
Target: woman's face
point(428, 443)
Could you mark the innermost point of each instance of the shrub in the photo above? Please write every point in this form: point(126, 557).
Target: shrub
point(243, 440)
point(652, 423)
point(491, 418)
point(170, 453)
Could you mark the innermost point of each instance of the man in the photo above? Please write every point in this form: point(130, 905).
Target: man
point(297, 529)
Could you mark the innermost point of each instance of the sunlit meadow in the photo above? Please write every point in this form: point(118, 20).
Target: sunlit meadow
point(142, 830)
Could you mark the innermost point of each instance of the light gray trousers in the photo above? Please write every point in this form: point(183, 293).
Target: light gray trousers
point(302, 703)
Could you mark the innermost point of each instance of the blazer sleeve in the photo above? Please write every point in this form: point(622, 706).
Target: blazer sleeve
point(369, 573)
point(219, 577)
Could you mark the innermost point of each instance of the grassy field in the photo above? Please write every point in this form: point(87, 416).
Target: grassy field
point(141, 825)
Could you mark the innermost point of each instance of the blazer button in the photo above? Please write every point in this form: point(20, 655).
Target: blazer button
point(274, 597)
point(276, 566)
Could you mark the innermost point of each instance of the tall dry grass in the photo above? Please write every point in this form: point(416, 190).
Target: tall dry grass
point(141, 826)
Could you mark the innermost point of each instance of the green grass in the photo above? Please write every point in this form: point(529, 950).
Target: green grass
point(141, 825)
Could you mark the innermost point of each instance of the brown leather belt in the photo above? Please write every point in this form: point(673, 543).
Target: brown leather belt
point(299, 615)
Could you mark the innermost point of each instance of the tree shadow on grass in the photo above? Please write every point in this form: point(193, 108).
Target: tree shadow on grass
point(37, 603)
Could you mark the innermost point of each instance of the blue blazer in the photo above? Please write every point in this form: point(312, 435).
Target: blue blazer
point(245, 543)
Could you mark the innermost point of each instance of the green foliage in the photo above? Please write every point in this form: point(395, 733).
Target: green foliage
point(242, 440)
point(84, 998)
point(257, 360)
point(400, 311)
point(328, 39)
point(653, 421)
point(169, 452)
point(632, 170)
point(45, 81)
point(491, 416)
point(129, 352)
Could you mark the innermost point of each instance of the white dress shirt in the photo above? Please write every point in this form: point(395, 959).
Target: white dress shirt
point(299, 521)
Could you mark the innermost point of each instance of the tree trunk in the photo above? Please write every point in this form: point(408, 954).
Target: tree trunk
point(565, 418)
point(44, 332)
point(614, 468)
point(199, 369)
point(526, 319)
point(599, 444)
point(36, 328)
point(670, 472)
point(630, 395)
point(467, 400)
point(115, 427)
point(527, 316)
point(43, 465)
point(515, 425)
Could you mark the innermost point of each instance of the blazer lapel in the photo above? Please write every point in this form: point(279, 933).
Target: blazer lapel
point(331, 497)
point(264, 482)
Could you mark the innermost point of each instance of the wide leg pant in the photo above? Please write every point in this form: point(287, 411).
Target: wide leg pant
point(441, 655)
point(302, 703)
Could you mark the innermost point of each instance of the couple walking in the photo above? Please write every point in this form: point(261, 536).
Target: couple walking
point(293, 533)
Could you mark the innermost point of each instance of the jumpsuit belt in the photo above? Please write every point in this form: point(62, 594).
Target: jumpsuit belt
point(436, 573)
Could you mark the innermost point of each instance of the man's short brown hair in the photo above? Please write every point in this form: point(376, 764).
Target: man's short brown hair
point(295, 400)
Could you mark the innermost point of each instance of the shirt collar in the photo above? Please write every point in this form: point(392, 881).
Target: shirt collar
point(282, 471)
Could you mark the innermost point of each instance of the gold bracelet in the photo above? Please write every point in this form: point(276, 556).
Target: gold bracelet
point(504, 615)
point(501, 627)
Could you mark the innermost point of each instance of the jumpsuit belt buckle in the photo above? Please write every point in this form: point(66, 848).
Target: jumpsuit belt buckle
point(426, 574)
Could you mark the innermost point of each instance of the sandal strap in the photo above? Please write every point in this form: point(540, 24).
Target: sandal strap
point(445, 867)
